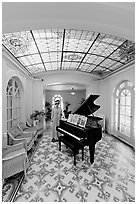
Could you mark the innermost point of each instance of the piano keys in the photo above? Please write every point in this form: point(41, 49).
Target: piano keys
point(68, 133)
point(77, 137)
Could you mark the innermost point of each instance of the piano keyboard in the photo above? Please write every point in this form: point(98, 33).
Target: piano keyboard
point(64, 131)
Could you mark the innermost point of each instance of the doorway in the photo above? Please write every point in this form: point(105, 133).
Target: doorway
point(124, 112)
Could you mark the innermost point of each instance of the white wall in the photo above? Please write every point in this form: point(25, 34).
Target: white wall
point(106, 88)
point(92, 89)
point(34, 96)
point(32, 89)
point(67, 77)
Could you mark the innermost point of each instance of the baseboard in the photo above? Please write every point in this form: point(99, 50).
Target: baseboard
point(119, 138)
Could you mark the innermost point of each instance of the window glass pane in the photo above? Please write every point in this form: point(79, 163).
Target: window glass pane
point(9, 125)
point(10, 91)
point(127, 111)
point(10, 82)
point(9, 101)
point(122, 128)
point(16, 85)
point(123, 93)
point(17, 93)
point(9, 114)
point(128, 101)
point(122, 119)
point(17, 103)
point(16, 112)
point(127, 131)
point(127, 121)
point(128, 93)
point(122, 101)
point(122, 110)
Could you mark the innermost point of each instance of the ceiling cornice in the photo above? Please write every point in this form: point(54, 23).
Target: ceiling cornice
point(113, 18)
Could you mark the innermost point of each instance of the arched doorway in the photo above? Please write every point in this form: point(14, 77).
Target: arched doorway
point(124, 108)
point(57, 97)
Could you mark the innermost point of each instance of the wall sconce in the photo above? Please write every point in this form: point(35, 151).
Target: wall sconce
point(72, 92)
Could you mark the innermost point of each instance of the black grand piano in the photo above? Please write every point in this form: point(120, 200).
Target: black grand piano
point(76, 137)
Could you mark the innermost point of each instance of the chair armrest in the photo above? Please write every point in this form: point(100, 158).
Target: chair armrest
point(7, 149)
point(23, 141)
point(16, 141)
point(15, 156)
point(26, 134)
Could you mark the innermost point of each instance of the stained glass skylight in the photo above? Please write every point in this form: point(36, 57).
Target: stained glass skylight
point(68, 49)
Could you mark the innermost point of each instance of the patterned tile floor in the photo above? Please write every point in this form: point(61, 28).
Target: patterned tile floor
point(52, 177)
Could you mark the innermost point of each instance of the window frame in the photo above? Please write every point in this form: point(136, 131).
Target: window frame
point(14, 104)
point(127, 85)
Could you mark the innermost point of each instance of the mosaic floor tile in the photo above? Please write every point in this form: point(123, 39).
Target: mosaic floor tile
point(52, 177)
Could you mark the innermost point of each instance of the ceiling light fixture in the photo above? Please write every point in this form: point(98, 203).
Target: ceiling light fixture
point(72, 92)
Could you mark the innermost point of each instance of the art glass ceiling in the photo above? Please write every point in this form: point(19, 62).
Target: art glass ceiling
point(68, 49)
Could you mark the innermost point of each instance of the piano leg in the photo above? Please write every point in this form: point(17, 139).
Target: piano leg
point(92, 151)
point(59, 144)
point(74, 159)
point(82, 153)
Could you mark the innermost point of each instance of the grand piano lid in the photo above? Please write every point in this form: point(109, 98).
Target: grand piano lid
point(88, 107)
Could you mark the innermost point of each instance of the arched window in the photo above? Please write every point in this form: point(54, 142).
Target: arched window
point(124, 116)
point(13, 103)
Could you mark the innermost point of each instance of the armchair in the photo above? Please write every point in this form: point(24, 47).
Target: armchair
point(26, 138)
point(24, 129)
point(13, 141)
point(38, 127)
point(14, 160)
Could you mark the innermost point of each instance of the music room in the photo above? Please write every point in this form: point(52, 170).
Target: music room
point(68, 101)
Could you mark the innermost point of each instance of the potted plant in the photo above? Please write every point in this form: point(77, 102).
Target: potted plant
point(66, 111)
point(48, 110)
point(34, 115)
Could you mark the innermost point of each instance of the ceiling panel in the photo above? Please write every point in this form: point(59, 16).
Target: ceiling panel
point(70, 49)
point(69, 65)
point(36, 68)
point(86, 67)
point(93, 59)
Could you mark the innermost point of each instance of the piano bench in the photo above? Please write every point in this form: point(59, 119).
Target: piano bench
point(74, 146)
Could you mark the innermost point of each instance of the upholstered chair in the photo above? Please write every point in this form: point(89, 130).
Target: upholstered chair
point(14, 160)
point(38, 127)
point(14, 141)
point(26, 138)
point(26, 129)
